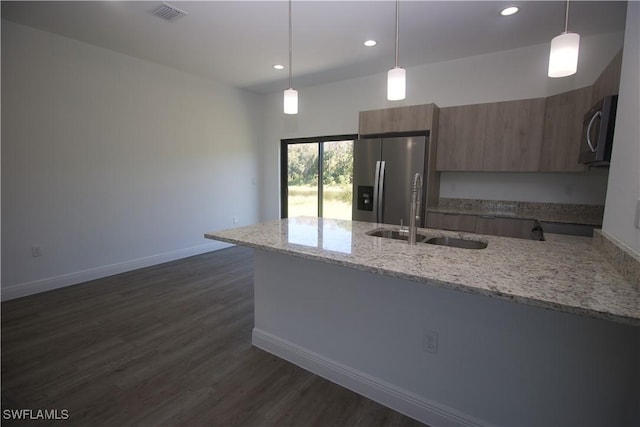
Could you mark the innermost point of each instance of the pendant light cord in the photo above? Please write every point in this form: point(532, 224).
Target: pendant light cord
point(290, 50)
point(566, 19)
point(397, 30)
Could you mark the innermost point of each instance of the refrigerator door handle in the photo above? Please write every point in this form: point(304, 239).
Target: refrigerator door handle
point(376, 183)
point(380, 206)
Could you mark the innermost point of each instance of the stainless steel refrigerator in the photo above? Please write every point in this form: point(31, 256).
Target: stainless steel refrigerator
point(383, 171)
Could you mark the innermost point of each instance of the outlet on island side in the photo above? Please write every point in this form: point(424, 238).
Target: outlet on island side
point(36, 251)
point(430, 341)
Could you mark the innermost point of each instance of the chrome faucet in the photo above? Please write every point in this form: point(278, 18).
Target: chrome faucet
point(414, 215)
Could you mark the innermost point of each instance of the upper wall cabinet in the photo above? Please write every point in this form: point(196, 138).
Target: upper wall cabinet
point(500, 136)
point(461, 133)
point(609, 81)
point(400, 119)
point(513, 136)
point(563, 130)
point(541, 134)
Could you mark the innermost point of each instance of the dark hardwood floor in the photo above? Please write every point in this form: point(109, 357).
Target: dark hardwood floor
point(166, 345)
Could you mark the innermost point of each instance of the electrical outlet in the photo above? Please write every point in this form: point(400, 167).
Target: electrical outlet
point(36, 251)
point(568, 190)
point(430, 341)
point(235, 219)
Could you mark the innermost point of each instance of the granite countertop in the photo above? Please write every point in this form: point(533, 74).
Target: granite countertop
point(563, 273)
point(545, 212)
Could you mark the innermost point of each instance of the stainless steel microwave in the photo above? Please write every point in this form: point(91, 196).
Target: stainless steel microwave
point(597, 132)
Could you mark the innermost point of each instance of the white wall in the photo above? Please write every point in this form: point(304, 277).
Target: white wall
point(624, 181)
point(514, 74)
point(111, 163)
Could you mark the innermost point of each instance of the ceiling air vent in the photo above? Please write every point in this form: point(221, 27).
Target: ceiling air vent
point(168, 13)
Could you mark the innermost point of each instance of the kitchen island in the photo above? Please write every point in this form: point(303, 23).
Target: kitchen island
point(521, 333)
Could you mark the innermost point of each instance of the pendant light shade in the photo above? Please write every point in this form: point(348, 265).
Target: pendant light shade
point(396, 84)
point(290, 101)
point(290, 95)
point(396, 77)
point(563, 56)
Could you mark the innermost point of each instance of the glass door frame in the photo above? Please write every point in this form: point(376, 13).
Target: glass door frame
point(284, 166)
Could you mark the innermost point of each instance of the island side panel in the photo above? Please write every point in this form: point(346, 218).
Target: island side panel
point(497, 362)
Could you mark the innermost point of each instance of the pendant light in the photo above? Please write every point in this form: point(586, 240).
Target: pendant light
point(563, 57)
point(290, 95)
point(396, 77)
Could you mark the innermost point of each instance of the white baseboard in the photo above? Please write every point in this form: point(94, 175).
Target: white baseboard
point(403, 401)
point(50, 283)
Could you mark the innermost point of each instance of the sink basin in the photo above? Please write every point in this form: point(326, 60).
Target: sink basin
point(457, 243)
point(395, 234)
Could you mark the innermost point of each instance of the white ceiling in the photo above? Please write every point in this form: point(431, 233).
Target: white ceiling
point(237, 42)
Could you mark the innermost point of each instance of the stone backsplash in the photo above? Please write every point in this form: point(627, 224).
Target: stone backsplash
point(549, 212)
point(619, 255)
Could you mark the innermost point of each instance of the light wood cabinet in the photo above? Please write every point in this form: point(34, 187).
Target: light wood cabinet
point(530, 135)
point(455, 222)
point(400, 119)
point(499, 136)
point(461, 134)
point(506, 227)
point(609, 81)
point(494, 226)
point(513, 135)
point(562, 134)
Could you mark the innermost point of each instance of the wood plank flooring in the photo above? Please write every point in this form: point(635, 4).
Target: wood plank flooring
point(165, 345)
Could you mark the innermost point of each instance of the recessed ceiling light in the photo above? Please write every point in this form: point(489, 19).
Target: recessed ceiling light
point(278, 67)
point(370, 43)
point(508, 11)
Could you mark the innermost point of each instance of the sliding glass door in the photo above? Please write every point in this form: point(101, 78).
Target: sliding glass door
point(303, 187)
point(317, 177)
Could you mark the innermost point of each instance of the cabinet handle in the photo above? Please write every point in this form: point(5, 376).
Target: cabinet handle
point(593, 119)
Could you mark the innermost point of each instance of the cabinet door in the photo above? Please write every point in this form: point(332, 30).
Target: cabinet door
point(505, 227)
point(410, 118)
point(514, 135)
point(371, 122)
point(563, 130)
point(400, 119)
point(461, 135)
point(453, 222)
point(609, 81)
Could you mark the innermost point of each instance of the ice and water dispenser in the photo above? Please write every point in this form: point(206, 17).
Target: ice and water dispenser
point(365, 197)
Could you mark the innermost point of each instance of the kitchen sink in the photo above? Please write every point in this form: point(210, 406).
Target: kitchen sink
point(456, 243)
point(395, 234)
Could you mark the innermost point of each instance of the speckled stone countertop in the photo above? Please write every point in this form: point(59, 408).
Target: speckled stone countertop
point(563, 273)
point(547, 212)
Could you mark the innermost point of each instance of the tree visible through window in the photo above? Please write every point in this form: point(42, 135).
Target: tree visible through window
point(337, 179)
point(302, 181)
point(319, 178)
